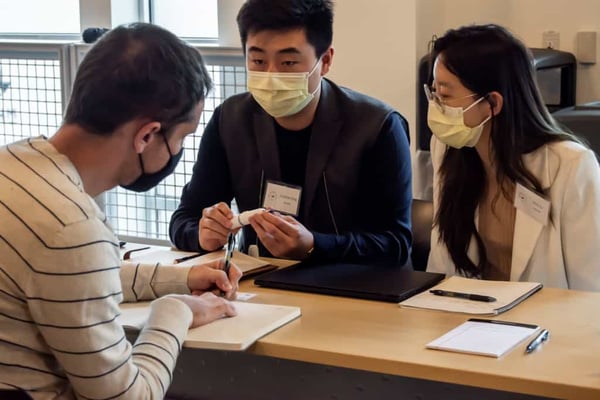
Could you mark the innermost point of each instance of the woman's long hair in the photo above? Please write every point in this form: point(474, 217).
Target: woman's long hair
point(488, 58)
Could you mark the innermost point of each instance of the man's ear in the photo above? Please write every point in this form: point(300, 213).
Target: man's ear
point(145, 135)
point(496, 101)
point(327, 60)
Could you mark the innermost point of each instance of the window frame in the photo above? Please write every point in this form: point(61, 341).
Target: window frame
point(70, 51)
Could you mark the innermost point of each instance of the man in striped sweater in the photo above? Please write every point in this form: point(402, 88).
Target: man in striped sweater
point(138, 93)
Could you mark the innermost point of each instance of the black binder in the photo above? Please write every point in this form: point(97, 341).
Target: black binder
point(391, 284)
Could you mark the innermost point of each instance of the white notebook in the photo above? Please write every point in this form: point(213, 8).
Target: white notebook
point(506, 294)
point(252, 322)
point(492, 338)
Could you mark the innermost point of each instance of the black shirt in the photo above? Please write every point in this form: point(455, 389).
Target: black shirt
point(293, 153)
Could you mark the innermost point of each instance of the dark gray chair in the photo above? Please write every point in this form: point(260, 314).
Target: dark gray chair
point(584, 121)
point(422, 221)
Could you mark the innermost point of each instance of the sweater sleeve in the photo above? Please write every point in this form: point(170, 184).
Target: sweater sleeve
point(144, 281)
point(74, 304)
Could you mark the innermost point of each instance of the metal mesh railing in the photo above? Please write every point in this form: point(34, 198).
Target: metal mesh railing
point(32, 105)
point(30, 91)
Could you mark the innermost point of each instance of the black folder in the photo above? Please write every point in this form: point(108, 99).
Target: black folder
point(392, 284)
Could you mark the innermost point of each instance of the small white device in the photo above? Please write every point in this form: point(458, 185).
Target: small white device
point(242, 219)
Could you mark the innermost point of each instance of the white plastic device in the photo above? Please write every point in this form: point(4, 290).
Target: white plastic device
point(242, 219)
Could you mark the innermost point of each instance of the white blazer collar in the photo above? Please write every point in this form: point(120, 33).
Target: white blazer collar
point(528, 229)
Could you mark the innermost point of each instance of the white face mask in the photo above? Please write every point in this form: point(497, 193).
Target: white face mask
point(449, 126)
point(281, 94)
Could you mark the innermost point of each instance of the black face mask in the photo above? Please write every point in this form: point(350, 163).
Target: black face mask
point(147, 181)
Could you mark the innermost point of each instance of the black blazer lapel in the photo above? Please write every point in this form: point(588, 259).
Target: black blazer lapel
point(325, 133)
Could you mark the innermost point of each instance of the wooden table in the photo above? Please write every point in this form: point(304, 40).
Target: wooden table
point(382, 338)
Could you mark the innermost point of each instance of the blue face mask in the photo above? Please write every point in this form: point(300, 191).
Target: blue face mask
point(147, 181)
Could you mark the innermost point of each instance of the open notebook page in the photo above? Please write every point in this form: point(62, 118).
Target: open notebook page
point(236, 333)
point(490, 338)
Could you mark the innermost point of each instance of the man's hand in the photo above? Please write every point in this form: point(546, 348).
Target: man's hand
point(214, 226)
point(206, 308)
point(283, 235)
point(211, 277)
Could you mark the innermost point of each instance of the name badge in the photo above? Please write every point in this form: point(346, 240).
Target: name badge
point(283, 198)
point(532, 204)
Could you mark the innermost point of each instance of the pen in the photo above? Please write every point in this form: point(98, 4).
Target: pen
point(499, 322)
point(539, 339)
point(185, 258)
point(228, 254)
point(468, 296)
point(127, 254)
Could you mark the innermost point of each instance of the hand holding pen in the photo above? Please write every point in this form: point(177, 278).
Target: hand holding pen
point(212, 277)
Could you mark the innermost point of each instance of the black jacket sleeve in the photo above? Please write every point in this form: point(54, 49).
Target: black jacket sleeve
point(382, 233)
point(210, 184)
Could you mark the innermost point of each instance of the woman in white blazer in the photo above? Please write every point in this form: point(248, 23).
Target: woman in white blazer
point(515, 196)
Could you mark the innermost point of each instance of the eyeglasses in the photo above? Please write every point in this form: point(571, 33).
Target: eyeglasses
point(431, 94)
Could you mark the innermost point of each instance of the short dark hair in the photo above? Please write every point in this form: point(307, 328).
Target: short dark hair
point(137, 71)
point(314, 16)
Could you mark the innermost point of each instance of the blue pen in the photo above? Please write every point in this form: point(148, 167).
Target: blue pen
point(539, 339)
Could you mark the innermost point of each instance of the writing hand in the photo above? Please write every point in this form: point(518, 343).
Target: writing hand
point(206, 308)
point(210, 276)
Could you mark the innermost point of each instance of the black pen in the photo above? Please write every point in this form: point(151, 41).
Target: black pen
point(185, 258)
point(128, 253)
point(468, 296)
point(539, 339)
point(230, 246)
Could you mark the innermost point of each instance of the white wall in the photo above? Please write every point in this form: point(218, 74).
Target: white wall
point(228, 31)
point(374, 46)
point(529, 18)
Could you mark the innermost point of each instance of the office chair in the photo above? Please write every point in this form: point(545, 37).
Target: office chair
point(422, 221)
point(583, 120)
